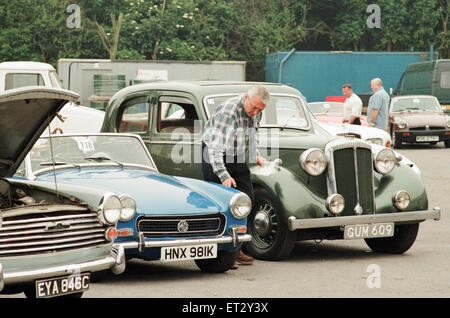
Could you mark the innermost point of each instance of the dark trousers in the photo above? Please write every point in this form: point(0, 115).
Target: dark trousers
point(238, 171)
point(357, 121)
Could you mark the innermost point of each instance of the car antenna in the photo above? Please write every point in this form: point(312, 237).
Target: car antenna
point(53, 158)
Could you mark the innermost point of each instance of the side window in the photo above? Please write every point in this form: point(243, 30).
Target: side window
point(445, 79)
point(176, 114)
point(15, 80)
point(134, 115)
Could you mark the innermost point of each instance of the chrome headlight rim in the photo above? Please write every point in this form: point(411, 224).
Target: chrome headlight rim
point(401, 124)
point(379, 162)
point(399, 198)
point(128, 207)
point(110, 209)
point(305, 161)
point(448, 123)
point(332, 204)
point(236, 200)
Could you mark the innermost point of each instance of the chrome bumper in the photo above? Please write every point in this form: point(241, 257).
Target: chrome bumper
point(115, 261)
point(298, 224)
point(233, 239)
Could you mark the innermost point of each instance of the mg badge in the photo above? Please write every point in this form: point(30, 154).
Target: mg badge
point(183, 226)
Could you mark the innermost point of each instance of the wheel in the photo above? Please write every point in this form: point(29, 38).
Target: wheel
point(403, 239)
point(447, 143)
point(396, 143)
point(221, 264)
point(271, 238)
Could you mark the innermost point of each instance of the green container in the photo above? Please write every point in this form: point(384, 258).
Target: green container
point(107, 84)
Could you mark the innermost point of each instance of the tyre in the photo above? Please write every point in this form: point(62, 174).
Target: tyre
point(447, 143)
point(396, 143)
point(404, 237)
point(271, 238)
point(224, 261)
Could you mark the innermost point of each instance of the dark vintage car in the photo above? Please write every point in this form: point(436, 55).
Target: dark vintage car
point(324, 187)
point(418, 119)
point(51, 239)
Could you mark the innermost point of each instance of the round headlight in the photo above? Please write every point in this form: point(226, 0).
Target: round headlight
point(401, 200)
point(335, 203)
point(128, 207)
point(384, 161)
point(401, 124)
point(448, 123)
point(240, 205)
point(110, 209)
point(313, 161)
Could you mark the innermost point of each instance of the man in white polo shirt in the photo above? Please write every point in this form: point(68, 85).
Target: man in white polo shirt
point(352, 106)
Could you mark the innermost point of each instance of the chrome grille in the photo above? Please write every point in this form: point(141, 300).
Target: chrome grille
point(351, 175)
point(167, 226)
point(48, 231)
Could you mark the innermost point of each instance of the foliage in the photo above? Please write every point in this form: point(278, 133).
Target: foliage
point(206, 30)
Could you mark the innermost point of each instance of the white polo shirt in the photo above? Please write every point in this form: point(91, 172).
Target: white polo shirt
point(352, 106)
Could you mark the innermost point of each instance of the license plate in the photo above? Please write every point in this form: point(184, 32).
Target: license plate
point(62, 285)
point(182, 253)
point(427, 138)
point(362, 231)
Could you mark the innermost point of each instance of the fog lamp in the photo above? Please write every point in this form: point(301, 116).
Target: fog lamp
point(335, 203)
point(401, 200)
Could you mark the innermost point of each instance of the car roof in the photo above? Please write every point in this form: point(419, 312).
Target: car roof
point(25, 65)
point(206, 88)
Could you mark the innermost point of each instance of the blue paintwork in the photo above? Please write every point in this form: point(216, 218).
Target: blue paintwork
point(155, 194)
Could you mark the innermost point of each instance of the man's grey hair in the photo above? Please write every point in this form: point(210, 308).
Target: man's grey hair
point(261, 92)
point(378, 81)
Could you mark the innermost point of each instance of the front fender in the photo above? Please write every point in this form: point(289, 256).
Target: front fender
point(290, 194)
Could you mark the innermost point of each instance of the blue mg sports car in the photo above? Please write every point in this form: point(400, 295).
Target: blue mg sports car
point(162, 217)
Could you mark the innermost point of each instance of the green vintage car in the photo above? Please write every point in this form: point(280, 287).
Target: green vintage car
point(314, 186)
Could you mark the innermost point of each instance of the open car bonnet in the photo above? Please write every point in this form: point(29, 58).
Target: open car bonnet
point(24, 115)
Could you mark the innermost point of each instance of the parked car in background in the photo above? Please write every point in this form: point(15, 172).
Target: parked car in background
point(163, 217)
point(418, 119)
point(331, 112)
point(324, 187)
point(52, 237)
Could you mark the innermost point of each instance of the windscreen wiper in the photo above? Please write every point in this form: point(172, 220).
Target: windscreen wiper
point(103, 158)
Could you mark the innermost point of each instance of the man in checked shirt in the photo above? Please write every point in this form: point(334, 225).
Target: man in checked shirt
point(229, 136)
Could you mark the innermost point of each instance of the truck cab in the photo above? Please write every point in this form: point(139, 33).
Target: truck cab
point(20, 74)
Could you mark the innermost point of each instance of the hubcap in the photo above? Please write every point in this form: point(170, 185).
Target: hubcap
point(262, 223)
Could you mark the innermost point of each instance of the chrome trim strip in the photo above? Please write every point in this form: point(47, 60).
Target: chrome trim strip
point(173, 243)
point(63, 270)
point(51, 248)
point(42, 208)
point(298, 224)
point(81, 218)
point(50, 235)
